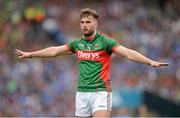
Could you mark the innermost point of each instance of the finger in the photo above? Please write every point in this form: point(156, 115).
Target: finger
point(16, 50)
point(20, 57)
point(19, 51)
point(164, 64)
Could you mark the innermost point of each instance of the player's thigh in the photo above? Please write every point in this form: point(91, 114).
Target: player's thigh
point(102, 113)
point(102, 103)
point(83, 108)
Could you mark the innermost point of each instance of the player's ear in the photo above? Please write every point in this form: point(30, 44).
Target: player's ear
point(96, 23)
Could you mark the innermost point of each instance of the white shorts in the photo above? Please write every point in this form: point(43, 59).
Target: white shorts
point(89, 102)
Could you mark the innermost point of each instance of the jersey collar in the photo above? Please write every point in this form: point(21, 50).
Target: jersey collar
point(91, 38)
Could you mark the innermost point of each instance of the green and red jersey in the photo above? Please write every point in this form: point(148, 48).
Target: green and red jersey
point(94, 62)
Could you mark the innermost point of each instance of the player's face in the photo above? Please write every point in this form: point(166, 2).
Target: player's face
point(88, 25)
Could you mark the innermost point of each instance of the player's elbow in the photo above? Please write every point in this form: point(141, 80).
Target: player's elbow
point(58, 51)
point(130, 53)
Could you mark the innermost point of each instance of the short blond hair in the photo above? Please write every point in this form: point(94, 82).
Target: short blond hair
point(88, 12)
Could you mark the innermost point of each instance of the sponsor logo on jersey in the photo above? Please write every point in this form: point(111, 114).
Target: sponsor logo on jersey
point(88, 55)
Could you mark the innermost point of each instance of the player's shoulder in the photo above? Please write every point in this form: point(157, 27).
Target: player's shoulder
point(75, 40)
point(106, 37)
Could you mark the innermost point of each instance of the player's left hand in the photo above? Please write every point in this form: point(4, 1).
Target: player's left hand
point(158, 64)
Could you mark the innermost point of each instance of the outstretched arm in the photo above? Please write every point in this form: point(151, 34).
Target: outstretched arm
point(135, 56)
point(44, 53)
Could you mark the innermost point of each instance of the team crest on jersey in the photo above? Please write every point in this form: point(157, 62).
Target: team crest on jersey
point(96, 45)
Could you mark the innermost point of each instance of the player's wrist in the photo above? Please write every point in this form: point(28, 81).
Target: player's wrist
point(30, 55)
point(150, 62)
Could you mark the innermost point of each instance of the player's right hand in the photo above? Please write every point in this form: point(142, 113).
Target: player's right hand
point(22, 54)
point(158, 64)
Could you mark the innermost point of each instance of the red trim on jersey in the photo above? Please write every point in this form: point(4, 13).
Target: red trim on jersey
point(90, 38)
point(67, 47)
point(113, 48)
point(105, 72)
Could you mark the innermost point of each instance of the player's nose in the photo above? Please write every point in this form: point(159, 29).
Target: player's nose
point(84, 26)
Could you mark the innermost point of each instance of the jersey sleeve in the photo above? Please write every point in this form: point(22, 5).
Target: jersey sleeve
point(72, 45)
point(110, 45)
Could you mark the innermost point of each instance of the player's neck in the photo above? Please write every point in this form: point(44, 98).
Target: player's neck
point(91, 37)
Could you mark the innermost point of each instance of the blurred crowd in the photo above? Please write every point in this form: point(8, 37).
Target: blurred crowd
point(46, 87)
